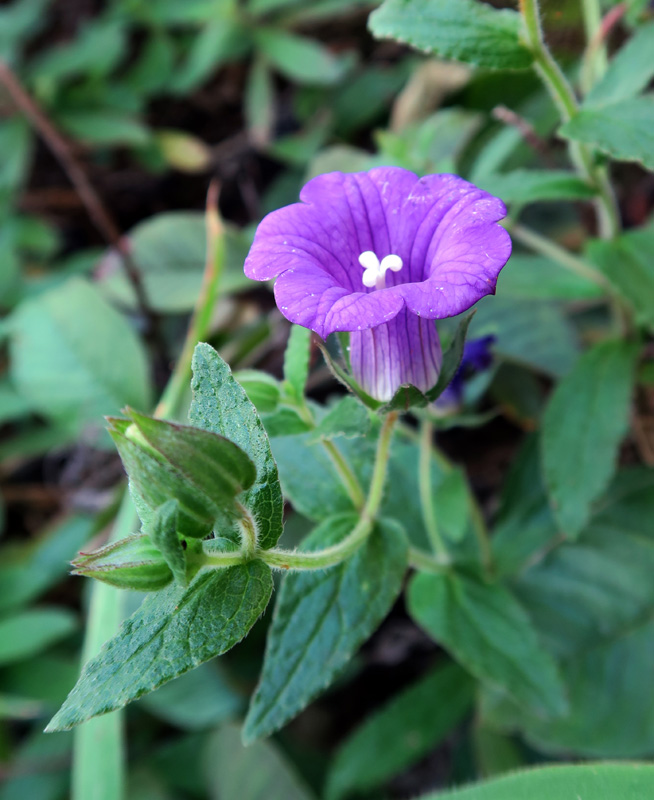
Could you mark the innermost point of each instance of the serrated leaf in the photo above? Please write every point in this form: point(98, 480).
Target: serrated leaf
point(296, 359)
point(347, 418)
point(173, 631)
point(259, 772)
point(563, 782)
point(583, 425)
point(622, 130)
point(220, 405)
point(398, 735)
point(629, 71)
point(532, 185)
point(486, 629)
point(322, 618)
point(462, 30)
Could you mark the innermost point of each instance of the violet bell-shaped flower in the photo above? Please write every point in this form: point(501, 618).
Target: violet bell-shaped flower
point(381, 254)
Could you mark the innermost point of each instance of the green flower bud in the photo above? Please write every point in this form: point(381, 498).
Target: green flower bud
point(202, 471)
point(131, 563)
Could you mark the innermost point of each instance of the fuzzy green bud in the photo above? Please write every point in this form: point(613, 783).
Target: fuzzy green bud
point(131, 563)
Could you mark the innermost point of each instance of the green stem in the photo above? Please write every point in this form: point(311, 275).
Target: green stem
point(248, 531)
point(546, 247)
point(200, 323)
point(594, 62)
point(346, 474)
point(425, 488)
point(344, 470)
point(98, 748)
point(608, 217)
point(330, 556)
point(427, 562)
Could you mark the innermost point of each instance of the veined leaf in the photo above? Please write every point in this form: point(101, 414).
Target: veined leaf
point(173, 631)
point(463, 30)
point(322, 618)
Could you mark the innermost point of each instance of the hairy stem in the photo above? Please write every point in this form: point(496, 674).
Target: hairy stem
point(98, 743)
point(344, 549)
point(425, 487)
point(595, 61)
point(608, 217)
point(427, 562)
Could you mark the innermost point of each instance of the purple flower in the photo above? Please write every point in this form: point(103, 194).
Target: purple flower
point(381, 254)
point(477, 357)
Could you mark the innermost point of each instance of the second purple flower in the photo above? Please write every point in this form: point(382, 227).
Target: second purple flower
point(381, 254)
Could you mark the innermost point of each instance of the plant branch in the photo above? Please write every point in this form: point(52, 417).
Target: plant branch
point(608, 216)
point(425, 487)
point(91, 200)
point(331, 556)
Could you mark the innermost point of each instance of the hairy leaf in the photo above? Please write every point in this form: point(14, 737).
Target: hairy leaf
point(322, 618)
point(220, 405)
point(173, 631)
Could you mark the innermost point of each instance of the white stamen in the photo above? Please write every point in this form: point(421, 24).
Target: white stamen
point(374, 275)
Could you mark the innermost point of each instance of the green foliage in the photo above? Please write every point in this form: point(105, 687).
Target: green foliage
point(296, 360)
point(50, 338)
point(583, 426)
point(24, 634)
point(486, 629)
point(622, 130)
point(172, 632)
point(528, 277)
point(221, 406)
point(251, 773)
point(464, 30)
point(565, 782)
point(530, 186)
point(347, 418)
point(321, 619)
point(410, 725)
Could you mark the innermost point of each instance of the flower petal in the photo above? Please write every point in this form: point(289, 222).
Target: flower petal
point(405, 350)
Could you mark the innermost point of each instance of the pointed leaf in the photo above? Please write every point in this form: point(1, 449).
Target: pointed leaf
point(220, 405)
point(346, 418)
point(486, 629)
point(587, 416)
point(172, 632)
point(322, 618)
point(462, 30)
point(163, 533)
point(296, 359)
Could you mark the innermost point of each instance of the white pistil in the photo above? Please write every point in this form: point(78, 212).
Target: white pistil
point(374, 275)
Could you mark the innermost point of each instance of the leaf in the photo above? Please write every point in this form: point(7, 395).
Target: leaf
point(629, 71)
point(462, 30)
point(262, 389)
point(322, 618)
point(163, 532)
point(563, 782)
point(64, 372)
point(531, 186)
point(296, 360)
point(285, 421)
point(628, 262)
point(220, 405)
point(259, 772)
point(170, 252)
point(300, 59)
point(104, 127)
point(486, 629)
point(532, 333)
point(196, 700)
point(182, 151)
point(537, 278)
point(597, 587)
point(623, 130)
point(28, 571)
point(398, 735)
point(583, 425)
point(259, 103)
point(172, 632)
point(347, 418)
point(26, 633)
